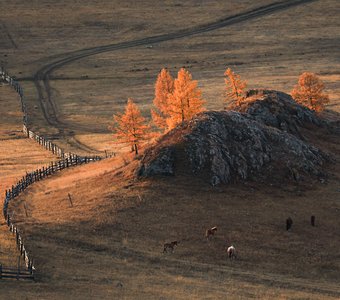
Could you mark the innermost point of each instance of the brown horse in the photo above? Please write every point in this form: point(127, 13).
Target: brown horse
point(170, 246)
point(210, 232)
point(289, 223)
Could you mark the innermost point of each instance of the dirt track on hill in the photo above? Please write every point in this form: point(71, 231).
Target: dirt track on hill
point(41, 77)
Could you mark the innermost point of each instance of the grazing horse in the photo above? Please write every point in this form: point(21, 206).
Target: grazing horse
point(312, 220)
point(231, 251)
point(210, 232)
point(289, 223)
point(170, 246)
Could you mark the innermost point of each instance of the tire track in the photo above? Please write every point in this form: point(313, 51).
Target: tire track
point(9, 36)
point(41, 77)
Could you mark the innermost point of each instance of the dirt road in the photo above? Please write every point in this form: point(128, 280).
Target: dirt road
point(41, 77)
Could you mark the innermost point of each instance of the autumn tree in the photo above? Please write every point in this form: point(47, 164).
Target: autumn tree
point(130, 128)
point(185, 101)
point(163, 87)
point(235, 87)
point(309, 92)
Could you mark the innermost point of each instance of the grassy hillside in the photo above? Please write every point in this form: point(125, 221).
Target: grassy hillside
point(110, 242)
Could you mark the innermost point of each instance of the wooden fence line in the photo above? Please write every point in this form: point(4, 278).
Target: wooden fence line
point(27, 180)
point(68, 160)
point(15, 273)
point(17, 87)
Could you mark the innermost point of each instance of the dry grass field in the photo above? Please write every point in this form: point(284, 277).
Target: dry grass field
point(108, 245)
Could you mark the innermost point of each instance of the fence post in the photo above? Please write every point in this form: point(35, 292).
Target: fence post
point(17, 236)
point(25, 207)
point(18, 268)
point(70, 199)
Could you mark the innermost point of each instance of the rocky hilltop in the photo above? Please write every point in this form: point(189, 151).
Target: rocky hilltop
point(260, 139)
point(278, 109)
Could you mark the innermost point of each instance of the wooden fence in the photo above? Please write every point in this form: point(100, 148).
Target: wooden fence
point(48, 145)
point(27, 180)
point(17, 87)
point(68, 160)
point(15, 273)
point(39, 174)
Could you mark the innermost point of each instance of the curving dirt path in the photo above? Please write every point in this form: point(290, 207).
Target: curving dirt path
point(41, 77)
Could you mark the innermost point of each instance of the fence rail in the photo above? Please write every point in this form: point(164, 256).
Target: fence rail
point(15, 273)
point(68, 160)
point(17, 87)
point(39, 174)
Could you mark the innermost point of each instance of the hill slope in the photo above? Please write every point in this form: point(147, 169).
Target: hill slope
point(109, 243)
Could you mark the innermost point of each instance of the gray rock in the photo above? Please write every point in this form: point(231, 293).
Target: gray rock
point(278, 109)
point(226, 146)
point(161, 162)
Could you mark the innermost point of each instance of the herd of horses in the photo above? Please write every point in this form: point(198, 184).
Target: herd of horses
point(209, 233)
point(230, 250)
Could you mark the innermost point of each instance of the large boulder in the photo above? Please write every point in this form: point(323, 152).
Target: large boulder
point(226, 146)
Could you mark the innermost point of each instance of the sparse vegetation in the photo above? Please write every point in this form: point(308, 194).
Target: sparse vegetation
point(185, 101)
point(130, 127)
point(163, 88)
point(235, 88)
point(310, 92)
point(175, 100)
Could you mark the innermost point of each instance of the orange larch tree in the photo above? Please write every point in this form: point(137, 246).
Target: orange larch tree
point(185, 101)
point(309, 92)
point(163, 87)
point(131, 128)
point(235, 87)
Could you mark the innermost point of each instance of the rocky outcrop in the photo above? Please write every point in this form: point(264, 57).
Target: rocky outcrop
point(278, 109)
point(226, 146)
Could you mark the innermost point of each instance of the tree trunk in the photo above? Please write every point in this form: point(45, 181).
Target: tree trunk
point(136, 149)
